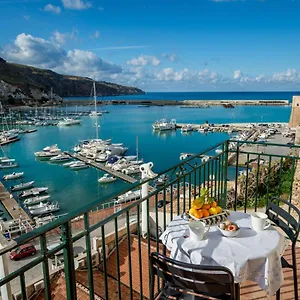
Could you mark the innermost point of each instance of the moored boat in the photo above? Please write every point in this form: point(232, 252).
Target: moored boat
point(60, 158)
point(22, 186)
point(106, 178)
point(33, 192)
point(45, 209)
point(8, 165)
point(68, 164)
point(13, 175)
point(35, 200)
point(78, 165)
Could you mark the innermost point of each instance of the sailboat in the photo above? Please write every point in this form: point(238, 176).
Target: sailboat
point(95, 113)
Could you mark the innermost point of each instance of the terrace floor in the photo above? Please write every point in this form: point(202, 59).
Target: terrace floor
point(249, 290)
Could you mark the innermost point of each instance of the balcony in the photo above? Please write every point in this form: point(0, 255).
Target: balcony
point(115, 243)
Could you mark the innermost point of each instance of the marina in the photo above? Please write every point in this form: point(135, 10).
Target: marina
point(102, 167)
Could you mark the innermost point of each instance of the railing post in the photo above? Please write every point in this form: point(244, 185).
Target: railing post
point(146, 174)
point(69, 261)
point(225, 169)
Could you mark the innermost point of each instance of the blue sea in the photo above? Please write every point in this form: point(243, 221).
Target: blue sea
point(73, 189)
point(181, 96)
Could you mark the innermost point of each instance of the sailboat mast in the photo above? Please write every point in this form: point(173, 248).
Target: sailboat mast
point(137, 148)
point(95, 101)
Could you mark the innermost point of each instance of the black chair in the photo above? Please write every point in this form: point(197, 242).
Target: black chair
point(291, 227)
point(180, 279)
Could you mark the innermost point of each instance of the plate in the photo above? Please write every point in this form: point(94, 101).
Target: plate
point(214, 219)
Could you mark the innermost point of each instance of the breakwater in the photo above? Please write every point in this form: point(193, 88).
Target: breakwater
point(188, 103)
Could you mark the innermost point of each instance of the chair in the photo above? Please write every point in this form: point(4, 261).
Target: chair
point(181, 279)
point(291, 227)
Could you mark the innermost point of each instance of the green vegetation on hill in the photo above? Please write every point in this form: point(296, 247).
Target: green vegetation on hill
point(27, 79)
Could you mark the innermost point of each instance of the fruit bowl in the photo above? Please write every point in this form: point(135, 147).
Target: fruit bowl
point(212, 220)
point(227, 232)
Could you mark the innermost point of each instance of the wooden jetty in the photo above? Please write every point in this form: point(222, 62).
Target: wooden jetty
point(102, 167)
point(11, 205)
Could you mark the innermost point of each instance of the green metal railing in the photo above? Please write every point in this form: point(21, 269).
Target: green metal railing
point(207, 169)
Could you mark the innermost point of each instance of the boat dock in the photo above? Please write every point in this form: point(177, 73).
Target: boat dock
point(11, 205)
point(102, 167)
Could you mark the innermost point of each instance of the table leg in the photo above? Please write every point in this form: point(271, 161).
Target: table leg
point(237, 291)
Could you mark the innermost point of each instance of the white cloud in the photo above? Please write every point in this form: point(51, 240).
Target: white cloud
point(172, 57)
point(95, 35)
point(290, 75)
point(27, 18)
point(76, 4)
point(237, 74)
point(53, 9)
point(144, 60)
point(61, 38)
point(39, 52)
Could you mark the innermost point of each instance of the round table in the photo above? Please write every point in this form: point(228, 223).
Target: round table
point(251, 255)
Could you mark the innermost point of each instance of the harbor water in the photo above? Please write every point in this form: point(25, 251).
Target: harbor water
point(73, 189)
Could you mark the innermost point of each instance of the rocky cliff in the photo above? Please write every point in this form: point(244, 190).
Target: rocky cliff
point(21, 84)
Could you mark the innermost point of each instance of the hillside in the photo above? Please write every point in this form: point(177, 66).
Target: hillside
point(21, 84)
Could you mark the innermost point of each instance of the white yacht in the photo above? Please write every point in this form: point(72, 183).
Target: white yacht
point(45, 209)
point(68, 164)
point(60, 158)
point(106, 178)
point(129, 196)
point(69, 122)
point(13, 175)
point(78, 165)
point(95, 113)
point(8, 165)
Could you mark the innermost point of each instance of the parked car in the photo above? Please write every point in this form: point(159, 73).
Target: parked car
point(22, 251)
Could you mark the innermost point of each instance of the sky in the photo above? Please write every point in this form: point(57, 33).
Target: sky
point(159, 45)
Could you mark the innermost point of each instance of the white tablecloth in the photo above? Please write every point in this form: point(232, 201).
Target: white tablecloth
point(250, 256)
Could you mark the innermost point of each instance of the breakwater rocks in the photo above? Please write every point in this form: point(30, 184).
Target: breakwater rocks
point(182, 104)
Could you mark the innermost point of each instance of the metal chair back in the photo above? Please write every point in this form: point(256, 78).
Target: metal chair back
point(283, 218)
point(189, 278)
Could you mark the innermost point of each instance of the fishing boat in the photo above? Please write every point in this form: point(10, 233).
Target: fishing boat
point(45, 209)
point(78, 165)
point(60, 158)
point(33, 192)
point(13, 175)
point(106, 178)
point(22, 186)
point(163, 125)
point(35, 200)
point(187, 128)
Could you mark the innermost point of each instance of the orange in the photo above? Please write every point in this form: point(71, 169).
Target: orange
point(193, 211)
point(199, 214)
point(205, 212)
point(219, 209)
point(206, 206)
point(214, 204)
point(213, 211)
point(197, 204)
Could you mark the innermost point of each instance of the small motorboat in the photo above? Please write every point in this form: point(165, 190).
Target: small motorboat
point(8, 165)
point(129, 196)
point(33, 192)
point(78, 165)
point(60, 158)
point(22, 186)
point(45, 209)
point(35, 200)
point(13, 175)
point(106, 178)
